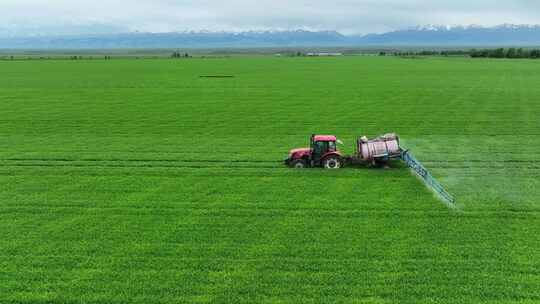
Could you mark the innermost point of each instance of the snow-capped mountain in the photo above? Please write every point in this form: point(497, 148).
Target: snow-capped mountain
point(428, 35)
point(472, 35)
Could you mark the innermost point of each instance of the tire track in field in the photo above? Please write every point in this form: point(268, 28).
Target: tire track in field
point(483, 164)
point(236, 164)
point(483, 161)
point(241, 211)
point(176, 166)
point(137, 160)
point(139, 163)
point(464, 166)
point(228, 161)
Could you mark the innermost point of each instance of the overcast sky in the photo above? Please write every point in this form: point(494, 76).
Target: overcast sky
point(346, 16)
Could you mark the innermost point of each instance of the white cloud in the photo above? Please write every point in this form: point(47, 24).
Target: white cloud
point(360, 16)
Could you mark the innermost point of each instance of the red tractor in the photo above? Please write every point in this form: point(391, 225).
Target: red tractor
point(322, 152)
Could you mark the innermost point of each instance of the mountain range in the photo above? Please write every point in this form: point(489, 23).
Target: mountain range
point(444, 36)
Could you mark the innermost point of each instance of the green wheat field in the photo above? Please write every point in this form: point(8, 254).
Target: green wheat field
point(138, 181)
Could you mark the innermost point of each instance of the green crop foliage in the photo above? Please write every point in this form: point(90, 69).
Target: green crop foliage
point(139, 181)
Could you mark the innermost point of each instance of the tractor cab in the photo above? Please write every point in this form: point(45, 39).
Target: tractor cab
point(322, 152)
point(321, 145)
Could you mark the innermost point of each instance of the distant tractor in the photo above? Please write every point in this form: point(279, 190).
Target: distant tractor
point(323, 152)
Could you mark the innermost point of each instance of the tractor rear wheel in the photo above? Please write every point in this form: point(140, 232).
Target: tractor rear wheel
point(332, 162)
point(298, 164)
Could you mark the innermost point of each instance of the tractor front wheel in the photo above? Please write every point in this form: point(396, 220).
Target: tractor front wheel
point(332, 162)
point(298, 164)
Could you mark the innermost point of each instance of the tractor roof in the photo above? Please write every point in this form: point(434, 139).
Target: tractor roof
point(324, 138)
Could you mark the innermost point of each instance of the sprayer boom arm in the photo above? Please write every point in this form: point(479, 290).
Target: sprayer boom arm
point(424, 174)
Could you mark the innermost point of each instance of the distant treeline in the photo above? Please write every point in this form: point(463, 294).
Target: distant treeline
point(428, 53)
point(517, 53)
point(180, 55)
point(513, 53)
point(506, 53)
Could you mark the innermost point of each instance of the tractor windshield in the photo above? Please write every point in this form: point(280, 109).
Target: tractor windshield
point(319, 147)
point(331, 146)
point(322, 147)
